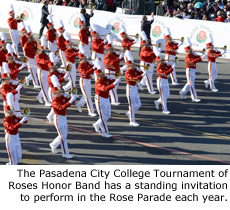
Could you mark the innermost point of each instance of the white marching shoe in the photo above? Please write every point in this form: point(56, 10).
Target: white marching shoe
point(79, 108)
point(153, 92)
point(182, 95)
point(206, 83)
point(175, 83)
point(116, 103)
point(53, 149)
point(140, 86)
point(106, 135)
point(157, 104)
point(96, 127)
point(127, 114)
point(166, 112)
point(39, 99)
point(134, 123)
point(48, 104)
point(50, 119)
point(68, 156)
point(214, 90)
point(196, 100)
point(92, 114)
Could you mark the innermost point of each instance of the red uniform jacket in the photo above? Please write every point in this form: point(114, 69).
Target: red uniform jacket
point(127, 43)
point(85, 70)
point(12, 124)
point(13, 23)
point(23, 40)
point(147, 55)
point(112, 60)
point(71, 55)
point(51, 35)
point(61, 43)
point(132, 76)
point(191, 60)
point(30, 49)
point(59, 75)
point(212, 55)
point(98, 45)
point(163, 70)
point(8, 88)
point(2, 56)
point(43, 60)
point(171, 48)
point(84, 36)
point(14, 70)
point(60, 104)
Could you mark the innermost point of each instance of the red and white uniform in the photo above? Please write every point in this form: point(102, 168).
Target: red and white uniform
point(14, 70)
point(13, 25)
point(13, 143)
point(163, 70)
point(132, 76)
point(71, 55)
point(102, 88)
point(212, 69)
point(51, 36)
point(59, 105)
point(112, 66)
point(84, 42)
point(190, 62)
point(2, 58)
point(23, 40)
point(30, 49)
point(170, 55)
point(62, 48)
point(43, 60)
point(98, 49)
point(85, 71)
point(147, 57)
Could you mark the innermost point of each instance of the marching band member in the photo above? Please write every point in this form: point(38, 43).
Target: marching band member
point(163, 70)
point(51, 35)
point(12, 123)
point(60, 104)
point(43, 60)
point(191, 59)
point(212, 54)
point(30, 49)
point(85, 70)
point(147, 57)
point(13, 24)
point(3, 50)
point(102, 87)
point(84, 45)
point(23, 38)
point(112, 69)
point(170, 54)
point(71, 53)
point(61, 44)
point(132, 76)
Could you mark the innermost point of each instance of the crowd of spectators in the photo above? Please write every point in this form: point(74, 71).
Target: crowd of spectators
point(107, 5)
point(212, 10)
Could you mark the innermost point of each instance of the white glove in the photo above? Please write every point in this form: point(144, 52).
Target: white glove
point(144, 74)
point(117, 81)
point(19, 87)
point(204, 56)
point(121, 56)
point(174, 65)
point(105, 41)
point(66, 76)
point(73, 98)
point(22, 66)
point(23, 120)
point(94, 67)
point(223, 52)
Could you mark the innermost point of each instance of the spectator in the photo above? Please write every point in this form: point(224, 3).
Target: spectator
point(87, 16)
point(185, 15)
point(190, 9)
point(228, 5)
point(225, 11)
point(146, 26)
point(83, 4)
point(175, 5)
point(92, 4)
point(110, 6)
point(169, 13)
point(198, 5)
point(205, 17)
point(220, 17)
point(161, 9)
point(197, 15)
point(213, 11)
point(220, 4)
point(58, 2)
point(74, 3)
point(44, 21)
point(101, 4)
point(227, 20)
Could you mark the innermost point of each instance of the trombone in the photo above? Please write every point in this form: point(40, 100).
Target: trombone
point(136, 36)
point(181, 39)
point(222, 48)
point(157, 45)
point(147, 67)
point(202, 51)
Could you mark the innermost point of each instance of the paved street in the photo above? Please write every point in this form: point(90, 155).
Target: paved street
point(194, 133)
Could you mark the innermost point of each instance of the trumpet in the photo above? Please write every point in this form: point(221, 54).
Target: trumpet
point(22, 59)
point(157, 45)
point(181, 39)
point(67, 68)
point(21, 16)
point(202, 51)
point(26, 111)
point(147, 67)
point(136, 36)
point(222, 48)
point(174, 60)
point(73, 91)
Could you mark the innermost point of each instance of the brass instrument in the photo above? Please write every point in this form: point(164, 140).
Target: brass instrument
point(67, 68)
point(20, 17)
point(147, 67)
point(222, 48)
point(26, 112)
point(181, 39)
point(22, 59)
point(73, 91)
point(174, 60)
point(157, 45)
point(202, 51)
point(136, 36)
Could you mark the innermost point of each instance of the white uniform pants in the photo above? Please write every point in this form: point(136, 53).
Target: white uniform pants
point(14, 149)
point(163, 87)
point(113, 92)
point(190, 85)
point(63, 58)
point(147, 80)
point(133, 100)
point(51, 96)
point(212, 71)
point(32, 65)
point(15, 40)
point(13, 101)
point(96, 55)
point(72, 78)
point(42, 77)
point(127, 56)
point(85, 85)
point(60, 123)
point(85, 49)
point(169, 59)
point(52, 46)
point(104, 111)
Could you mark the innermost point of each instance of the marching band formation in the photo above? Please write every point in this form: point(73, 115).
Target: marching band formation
point(57, 84)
